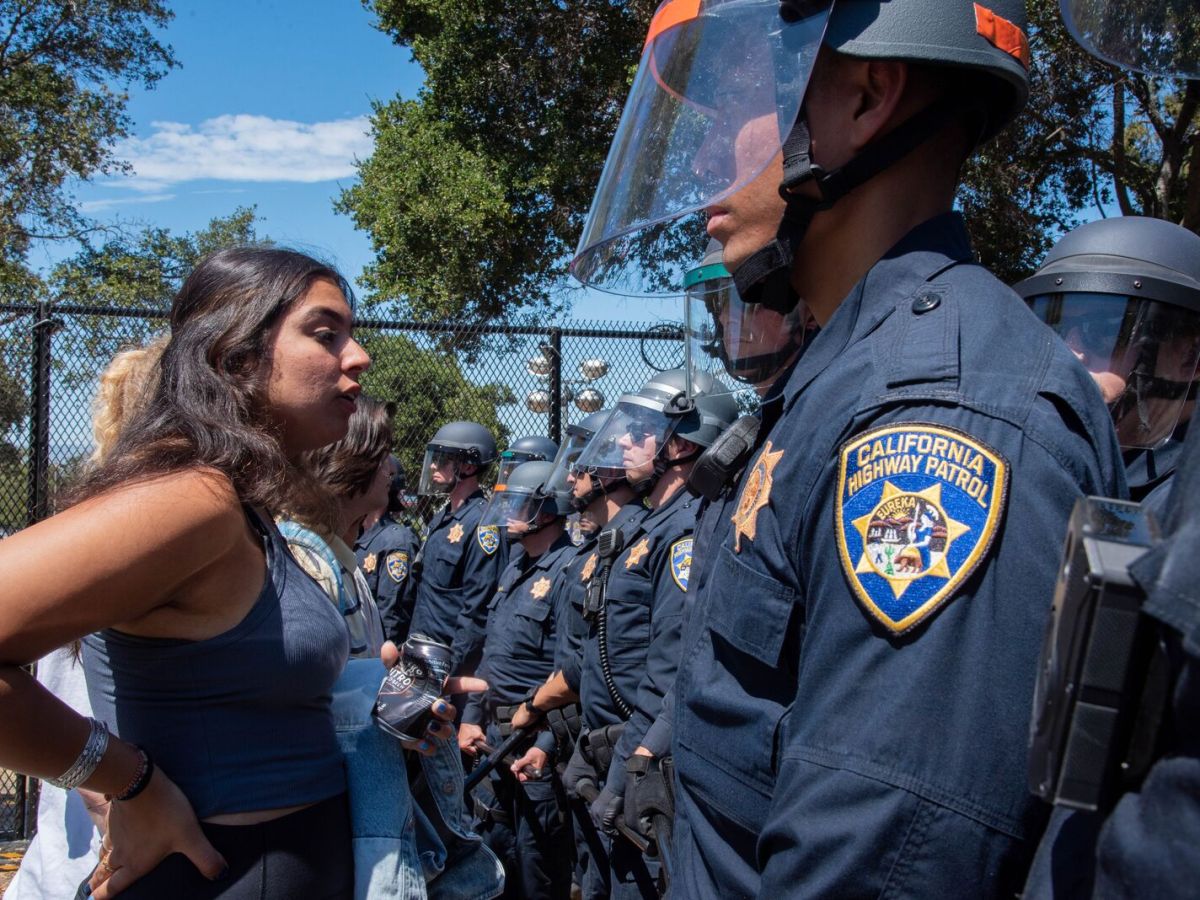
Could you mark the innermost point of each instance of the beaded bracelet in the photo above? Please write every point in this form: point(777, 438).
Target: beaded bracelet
point(85, 764)
point(140, 780)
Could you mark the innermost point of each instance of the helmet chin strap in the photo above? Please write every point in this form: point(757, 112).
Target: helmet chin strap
point(765, 277)
point(646, 485)
point(752, 369)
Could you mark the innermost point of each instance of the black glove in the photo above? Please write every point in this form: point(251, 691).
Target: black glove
point(646, 795)
point(605, 810)
point(578, 770)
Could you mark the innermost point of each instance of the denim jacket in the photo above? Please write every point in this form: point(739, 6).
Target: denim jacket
point(405, 847)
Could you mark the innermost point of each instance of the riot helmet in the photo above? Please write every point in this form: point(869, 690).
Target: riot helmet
point(719, 94)
point(1156, 37)
point(749, 341)
point(531, 448)
point(519, 503)
point(577, 437)
point(633, 440)
point(1124, 294)
point(455, 444)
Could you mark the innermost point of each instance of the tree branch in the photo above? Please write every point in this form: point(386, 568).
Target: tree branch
point(1120, 162)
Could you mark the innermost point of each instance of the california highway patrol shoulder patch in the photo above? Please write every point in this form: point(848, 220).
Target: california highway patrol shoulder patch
point(489, 538)
point(397, 566)
point(681, 562)
point(918, 506)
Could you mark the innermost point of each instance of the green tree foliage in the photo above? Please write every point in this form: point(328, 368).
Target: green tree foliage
point(475, 194)
point(1092, 136)
point(476, 191)
point(429, 389)
point(140, 270)
point(64, 65)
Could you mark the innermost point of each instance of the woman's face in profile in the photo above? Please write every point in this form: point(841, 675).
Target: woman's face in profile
point(315, 364)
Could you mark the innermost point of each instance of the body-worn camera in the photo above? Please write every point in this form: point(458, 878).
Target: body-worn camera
point(1102, 683)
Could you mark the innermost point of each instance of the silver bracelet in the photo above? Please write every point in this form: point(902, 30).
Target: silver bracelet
point(83, 767)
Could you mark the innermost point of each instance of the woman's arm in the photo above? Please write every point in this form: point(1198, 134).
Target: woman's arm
point(117, 559)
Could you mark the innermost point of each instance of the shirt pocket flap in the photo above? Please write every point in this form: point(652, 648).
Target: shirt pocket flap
point(748, 609)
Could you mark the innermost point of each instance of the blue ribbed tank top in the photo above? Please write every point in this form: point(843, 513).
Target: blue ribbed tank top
point(240, 721)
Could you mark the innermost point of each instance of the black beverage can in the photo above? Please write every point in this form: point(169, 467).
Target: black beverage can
point(411, 686)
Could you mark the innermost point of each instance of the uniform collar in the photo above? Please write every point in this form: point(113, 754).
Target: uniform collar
point(676, 500)
point(1147, 468)
point(547, 559)
point(467, 505)
point(929, 249)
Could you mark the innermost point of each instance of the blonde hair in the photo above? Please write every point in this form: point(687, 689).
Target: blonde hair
point(125, 384)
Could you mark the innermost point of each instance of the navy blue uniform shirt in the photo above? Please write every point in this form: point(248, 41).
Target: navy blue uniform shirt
point(568, 657)
point(386, 552)
point(524, 617)
point(460, 567)
point(644, 604)
point(853, 703)
point(1149, 472)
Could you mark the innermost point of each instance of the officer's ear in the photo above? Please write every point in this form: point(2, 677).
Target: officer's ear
point(881, 94)
point(851, 102)
point(467, 470)
point(679, 448)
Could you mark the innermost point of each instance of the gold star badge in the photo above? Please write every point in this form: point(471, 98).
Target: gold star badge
point(369, 563)
point(589, 568)
point(540, 588)
point(755, 495)
point(640, 549)
point(456, 533)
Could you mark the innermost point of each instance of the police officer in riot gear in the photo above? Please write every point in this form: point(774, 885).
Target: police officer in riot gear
point(531, 448)
point(750, 342)
point(461, 560)
point(636, 603)
point(1145, 846)
point(601, 501)
point(1124, 294)
point(385, 551)
point(525, 826)
point(854, 692)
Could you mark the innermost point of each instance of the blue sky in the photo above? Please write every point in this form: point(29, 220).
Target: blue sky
point(269, 108)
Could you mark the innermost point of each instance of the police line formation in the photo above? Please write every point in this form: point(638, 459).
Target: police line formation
point(830, 648)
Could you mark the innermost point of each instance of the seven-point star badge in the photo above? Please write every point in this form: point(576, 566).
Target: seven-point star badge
point(456, 533)
point(640, 549)
point(540, 588)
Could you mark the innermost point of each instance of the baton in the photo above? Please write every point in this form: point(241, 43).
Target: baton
point(494, 758)
point(589, 792)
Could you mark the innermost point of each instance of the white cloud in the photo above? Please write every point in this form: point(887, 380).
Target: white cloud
point(244, 148)
point(94, 206)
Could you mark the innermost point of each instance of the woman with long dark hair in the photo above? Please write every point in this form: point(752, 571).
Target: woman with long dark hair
point(210, 655)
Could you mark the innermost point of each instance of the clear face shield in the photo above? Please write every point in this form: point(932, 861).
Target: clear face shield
point(509, 460)
point(750, 342)
point(568, 454)
point(633, 437)
point(1143, 355)
point(711, 70)
point(1157, 37)
point(513, 511)
point(439, 471)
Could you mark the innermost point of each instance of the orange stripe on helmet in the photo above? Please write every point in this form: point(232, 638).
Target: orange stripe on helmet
point(670, 14)
point(1002, 34)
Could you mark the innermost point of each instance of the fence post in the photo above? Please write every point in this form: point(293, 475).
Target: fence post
point(556, 393)
point(39, 422)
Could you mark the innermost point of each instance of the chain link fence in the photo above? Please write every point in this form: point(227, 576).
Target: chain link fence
point(518, 381)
